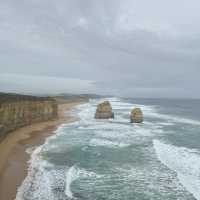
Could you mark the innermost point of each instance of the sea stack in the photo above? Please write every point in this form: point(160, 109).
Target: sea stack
point(136, 116)
point(104, 111)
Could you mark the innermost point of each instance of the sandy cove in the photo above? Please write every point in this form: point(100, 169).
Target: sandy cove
point(13, 156)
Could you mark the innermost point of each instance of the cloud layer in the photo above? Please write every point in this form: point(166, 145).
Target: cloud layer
point(44, 85)
point(129, 48)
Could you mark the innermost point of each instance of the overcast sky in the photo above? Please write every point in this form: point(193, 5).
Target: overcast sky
point(135, 48)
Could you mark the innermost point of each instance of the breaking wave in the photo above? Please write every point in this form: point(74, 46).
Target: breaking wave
point(185, 162)
point(74, 173)
point(107, 143)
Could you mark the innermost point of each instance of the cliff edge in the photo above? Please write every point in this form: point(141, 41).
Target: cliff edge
point(21, 110)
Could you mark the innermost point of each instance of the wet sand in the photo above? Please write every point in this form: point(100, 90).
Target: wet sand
point(13, 156)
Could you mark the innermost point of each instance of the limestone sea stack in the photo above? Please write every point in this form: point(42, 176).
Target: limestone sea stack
point(104, 111)
point(136, 115)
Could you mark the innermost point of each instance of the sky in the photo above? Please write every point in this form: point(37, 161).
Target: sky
point(132, 48)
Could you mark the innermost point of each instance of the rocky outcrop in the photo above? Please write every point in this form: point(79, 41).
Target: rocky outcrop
point(21, 110)
point(104, 111)
point(136, 116)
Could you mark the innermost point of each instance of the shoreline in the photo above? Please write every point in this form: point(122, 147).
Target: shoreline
point(13, 156)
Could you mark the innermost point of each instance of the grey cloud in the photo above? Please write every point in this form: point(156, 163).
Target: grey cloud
point(44, 85)
point(143, 48)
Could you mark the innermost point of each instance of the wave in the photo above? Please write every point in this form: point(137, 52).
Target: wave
point(43, 181)
point(172, 118)
point(37, 183)
point(74, 173)
point(107, 143)
point(166, 123)
point(185, 162)
point(71, 175)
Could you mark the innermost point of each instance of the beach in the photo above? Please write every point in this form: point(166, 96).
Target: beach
point(13, 155)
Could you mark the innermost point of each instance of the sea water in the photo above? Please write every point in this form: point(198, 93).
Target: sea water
point(95, 159)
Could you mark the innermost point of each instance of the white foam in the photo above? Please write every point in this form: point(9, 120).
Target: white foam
point(166, 123)
point(74, 173)
point(30, 150)
point(185, 162)
point(37, 183)
point(172, 118)
point(42, 178)
point(107, 143)
point(71, 175)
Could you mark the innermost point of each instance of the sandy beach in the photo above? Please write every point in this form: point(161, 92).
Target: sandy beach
point(13, 156)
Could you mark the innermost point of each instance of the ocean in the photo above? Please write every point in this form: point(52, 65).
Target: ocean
point(115, 160)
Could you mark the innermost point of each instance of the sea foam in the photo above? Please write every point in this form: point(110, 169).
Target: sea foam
point(185, 162)
point(74, 173)
point(71, 175)
point(107, 143)
point(172, 118)
point(37, 183)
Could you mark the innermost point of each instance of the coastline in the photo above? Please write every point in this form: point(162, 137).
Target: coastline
point(13, 156)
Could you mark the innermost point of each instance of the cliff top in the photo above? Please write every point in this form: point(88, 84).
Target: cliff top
point(9, 97)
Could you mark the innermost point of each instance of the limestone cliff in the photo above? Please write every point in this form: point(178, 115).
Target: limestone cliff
point(21, 110)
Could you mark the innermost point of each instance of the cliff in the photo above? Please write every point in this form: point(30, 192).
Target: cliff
point(20, 110)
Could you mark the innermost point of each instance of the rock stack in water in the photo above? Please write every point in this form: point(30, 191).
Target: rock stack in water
point(104, 111)
point(136, 116)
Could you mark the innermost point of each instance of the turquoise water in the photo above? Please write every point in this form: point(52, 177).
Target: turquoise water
point(113, 159)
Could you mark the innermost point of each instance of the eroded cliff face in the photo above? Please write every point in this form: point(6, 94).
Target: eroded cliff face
point(22, 111)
